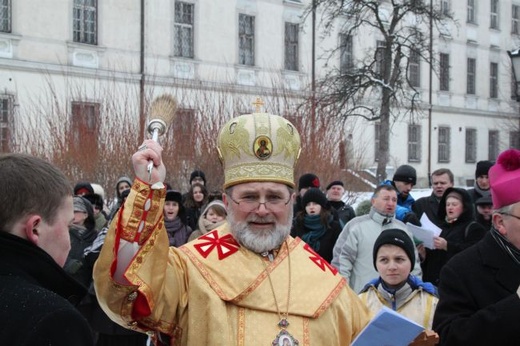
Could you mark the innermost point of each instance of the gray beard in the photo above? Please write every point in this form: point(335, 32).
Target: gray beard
point(259, 241)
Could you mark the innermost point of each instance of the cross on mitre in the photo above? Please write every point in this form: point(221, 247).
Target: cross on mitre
point(258, 104)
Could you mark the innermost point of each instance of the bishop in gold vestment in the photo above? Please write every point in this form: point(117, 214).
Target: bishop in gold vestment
point(214, 290)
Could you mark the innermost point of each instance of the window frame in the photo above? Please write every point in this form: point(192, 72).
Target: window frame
point(184, 30)
point(470, 145)
point(80, 22)
point(493, 80)
point(471, 76)
point(414, 68)
point(291, 46)
point(6, 122)
point(6, 12)
point(443, 144)
point(380, 58)
point(346, 61)
point(493, 145)
point(444, 72)
point(246, 40)
point(494, 20)
point(471, 16)
point(414, 143)
point(377, 139)
point(515, 19)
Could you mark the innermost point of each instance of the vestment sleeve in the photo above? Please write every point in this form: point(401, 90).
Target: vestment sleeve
point(140, 281)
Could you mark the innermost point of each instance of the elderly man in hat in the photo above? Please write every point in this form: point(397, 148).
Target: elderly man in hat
point(480, 287)
point(244, 283)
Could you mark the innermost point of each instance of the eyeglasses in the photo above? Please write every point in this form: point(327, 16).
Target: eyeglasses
point(516, 217)
point(249, 204)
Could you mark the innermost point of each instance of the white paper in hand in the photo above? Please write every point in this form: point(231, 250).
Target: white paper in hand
point(388, 328)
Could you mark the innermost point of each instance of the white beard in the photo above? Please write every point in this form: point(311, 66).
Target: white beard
point(259, 241)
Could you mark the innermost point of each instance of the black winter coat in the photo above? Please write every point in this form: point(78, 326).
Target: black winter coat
point(36, 297)
point(478, 302)
point(430, 206)
point(459, 234)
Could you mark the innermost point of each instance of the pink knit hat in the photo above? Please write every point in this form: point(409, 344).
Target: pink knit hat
point(504, 178)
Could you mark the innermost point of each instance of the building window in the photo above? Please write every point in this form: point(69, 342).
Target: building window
point(445, 7)
point(514, 139)
point(246, 38)
point(515, 18)
point(377, 136)
point(291, 46)
point(471, 18)
point(444, 75)
point(493, 80)
point(414, 143)
point(414, 68)
point(6, 121)
point(347, 52)
point(5, 15)
point(471, 145)
point(183, 29)
point(85, 126)
point(380, 57)
point(493, 145)
point(444, 145)
point(494, 15)
point(85, 21)
point(471, 76)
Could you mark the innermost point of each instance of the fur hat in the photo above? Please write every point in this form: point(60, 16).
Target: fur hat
point(198, 173)
point(314, 195)
point(335, 182)
point(308, 180)
point(483, 168)
point(405, 173)
point(258, 147)
point(397, 237)
point(95, 200)
point(504, 178)
point(172, 195)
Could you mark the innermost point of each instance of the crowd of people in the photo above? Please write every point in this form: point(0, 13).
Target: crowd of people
point(265, 260)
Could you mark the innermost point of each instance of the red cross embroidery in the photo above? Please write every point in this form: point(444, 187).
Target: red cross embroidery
point(226, 245)
point(320, 262)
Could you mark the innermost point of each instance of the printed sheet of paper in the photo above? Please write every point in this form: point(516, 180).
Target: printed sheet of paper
point(424, 235)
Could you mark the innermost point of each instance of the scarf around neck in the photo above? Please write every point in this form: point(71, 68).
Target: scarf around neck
point(316, 231)
point(177, 232)
point(505, 245)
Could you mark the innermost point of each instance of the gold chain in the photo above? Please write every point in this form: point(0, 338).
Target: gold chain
point(289, 284)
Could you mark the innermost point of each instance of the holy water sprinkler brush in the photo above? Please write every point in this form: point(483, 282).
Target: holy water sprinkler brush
point(161, 116)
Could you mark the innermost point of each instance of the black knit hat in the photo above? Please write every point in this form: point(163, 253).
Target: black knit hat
point(95, 199)
point(335, 182)
point(315, 195)
point(308, 180)
point(397, 237)
point(198, 173)
point(405, 173)
point(485, 200)
point(483, 168)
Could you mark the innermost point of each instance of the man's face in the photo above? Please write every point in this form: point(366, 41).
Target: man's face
point(385, 202)
point(403, 188)
point(197, 180)
point(440, 183)
point(483, 181)
point(54, 238)
point(509, 225)
point(486, 210)
point(265, 227)
point(335, 193)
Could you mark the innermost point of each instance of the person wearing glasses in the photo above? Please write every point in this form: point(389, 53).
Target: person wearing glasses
point(243, 283)
point(479, 289)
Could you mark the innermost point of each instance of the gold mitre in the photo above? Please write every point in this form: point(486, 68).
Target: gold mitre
point(258, 147)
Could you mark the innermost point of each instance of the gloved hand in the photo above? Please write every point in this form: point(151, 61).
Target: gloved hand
point(411, 218)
